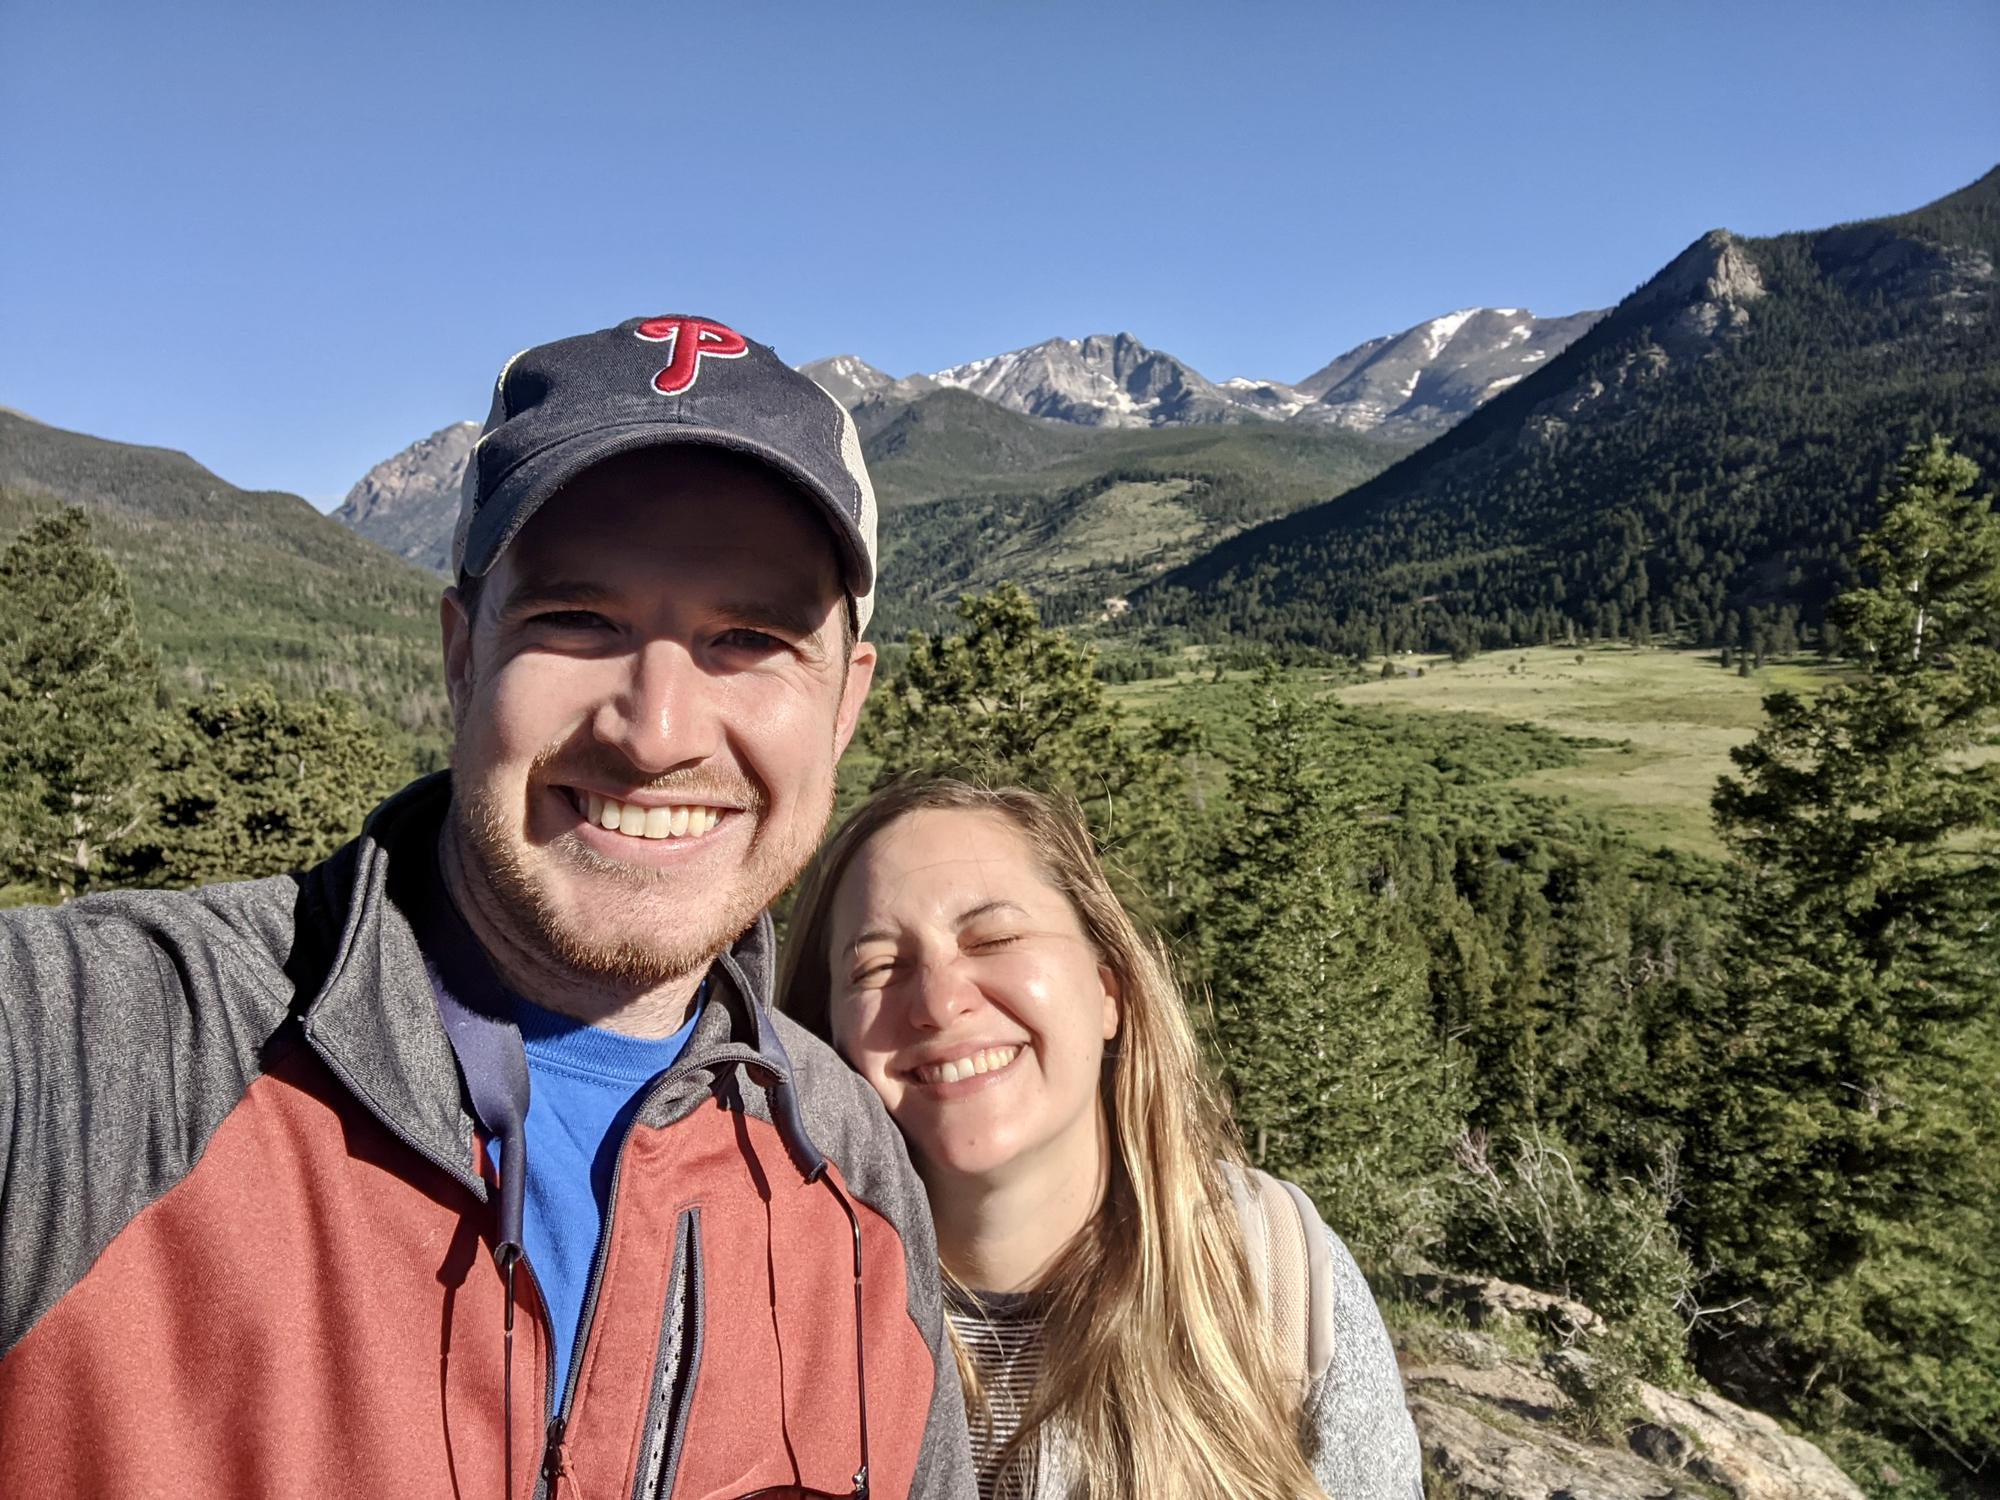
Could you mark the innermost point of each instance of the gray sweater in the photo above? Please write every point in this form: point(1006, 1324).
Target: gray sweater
point(1356, 1429)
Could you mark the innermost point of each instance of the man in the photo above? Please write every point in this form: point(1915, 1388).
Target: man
point(470, 1162)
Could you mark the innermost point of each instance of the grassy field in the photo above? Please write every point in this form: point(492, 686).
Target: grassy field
point(1657, 725)
point(1653, 727)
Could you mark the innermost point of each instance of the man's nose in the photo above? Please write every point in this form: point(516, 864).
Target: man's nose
point(663, 716)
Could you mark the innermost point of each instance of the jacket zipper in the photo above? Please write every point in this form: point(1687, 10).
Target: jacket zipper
point(477, 1188)
point(689, 1286)
point(555, 1457)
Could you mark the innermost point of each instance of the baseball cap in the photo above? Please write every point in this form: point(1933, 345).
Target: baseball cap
point(653, 382)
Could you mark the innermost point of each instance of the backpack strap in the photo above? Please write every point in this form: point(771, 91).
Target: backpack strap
point(1291, 1268)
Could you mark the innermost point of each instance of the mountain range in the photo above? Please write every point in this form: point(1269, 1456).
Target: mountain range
point(1400, 388)
point(1411, 384)
point(1698, 463)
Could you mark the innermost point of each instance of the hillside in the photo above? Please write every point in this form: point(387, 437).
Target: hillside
point(974, 495)
point(1695, 464)
point(946, 440)
point(236, 585)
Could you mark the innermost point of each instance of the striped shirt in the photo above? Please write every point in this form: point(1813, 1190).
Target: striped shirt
point(1003, 1334)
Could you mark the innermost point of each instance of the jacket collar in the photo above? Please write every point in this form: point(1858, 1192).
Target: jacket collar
point(374, 1019)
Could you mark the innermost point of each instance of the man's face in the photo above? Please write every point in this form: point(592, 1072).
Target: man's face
point(649, 704)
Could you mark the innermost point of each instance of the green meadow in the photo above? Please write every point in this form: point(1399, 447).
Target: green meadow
point(1651, 729)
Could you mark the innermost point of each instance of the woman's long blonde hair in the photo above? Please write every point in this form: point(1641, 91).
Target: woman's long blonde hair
point(1167, 1382)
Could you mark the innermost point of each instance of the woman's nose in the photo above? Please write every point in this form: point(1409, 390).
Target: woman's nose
point(941, 992)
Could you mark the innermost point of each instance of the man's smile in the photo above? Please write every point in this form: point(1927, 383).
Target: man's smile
point(647, 820)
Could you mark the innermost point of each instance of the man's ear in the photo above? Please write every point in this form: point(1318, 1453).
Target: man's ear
point(455, 626)
point(860, 673)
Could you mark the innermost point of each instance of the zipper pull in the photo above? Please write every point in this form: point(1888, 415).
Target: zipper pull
point(555, 1456)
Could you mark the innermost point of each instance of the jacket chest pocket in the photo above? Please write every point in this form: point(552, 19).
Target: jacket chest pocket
point(766, 1393)
point(676, 1367)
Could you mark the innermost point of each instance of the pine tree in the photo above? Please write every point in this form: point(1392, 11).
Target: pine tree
point(1849, 1144)
point(77, 694)
point(1007, 700)
point(253, 785)
point(1319, 1014)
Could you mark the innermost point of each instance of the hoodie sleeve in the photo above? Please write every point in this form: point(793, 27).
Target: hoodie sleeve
point(1362, 1442)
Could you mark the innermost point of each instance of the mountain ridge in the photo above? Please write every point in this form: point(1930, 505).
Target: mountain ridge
point(1697, 462)
point(1444, 367)
point(234, 585)
point(1104, 383)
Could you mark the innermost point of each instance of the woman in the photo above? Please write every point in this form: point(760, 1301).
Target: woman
point(964, 952)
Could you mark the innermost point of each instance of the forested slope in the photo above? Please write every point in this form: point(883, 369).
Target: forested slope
point(974, 495)
point(1698, 463)
point(238, 586)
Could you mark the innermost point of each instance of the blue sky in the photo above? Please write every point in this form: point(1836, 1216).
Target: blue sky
point(291, 239)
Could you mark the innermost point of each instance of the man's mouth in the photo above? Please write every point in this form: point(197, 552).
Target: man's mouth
point(957, 1070)
point(681, 821)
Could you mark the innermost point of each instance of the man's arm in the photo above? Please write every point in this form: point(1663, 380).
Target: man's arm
point(130, 1024)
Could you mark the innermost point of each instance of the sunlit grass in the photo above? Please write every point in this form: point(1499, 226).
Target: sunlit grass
point(1658, 725)
point(1654, 727)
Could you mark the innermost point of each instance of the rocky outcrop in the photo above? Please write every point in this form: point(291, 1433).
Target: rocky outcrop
point(409, 503)
point(1744, 1452)
point(1487, 1390)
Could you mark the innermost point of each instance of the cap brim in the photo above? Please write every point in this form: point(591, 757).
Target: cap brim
point(531, 483)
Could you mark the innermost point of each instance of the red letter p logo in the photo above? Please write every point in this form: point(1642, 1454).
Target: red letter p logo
point(688, 341)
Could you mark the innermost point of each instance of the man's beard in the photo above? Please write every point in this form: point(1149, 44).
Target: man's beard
point(669, 942)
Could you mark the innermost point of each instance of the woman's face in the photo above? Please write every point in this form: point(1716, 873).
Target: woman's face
point(964, 989)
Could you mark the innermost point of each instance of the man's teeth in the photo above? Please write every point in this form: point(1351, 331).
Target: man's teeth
point(649, 822)
point(989, 1061)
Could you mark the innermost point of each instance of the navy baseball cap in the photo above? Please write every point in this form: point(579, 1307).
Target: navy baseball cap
point(650, 383)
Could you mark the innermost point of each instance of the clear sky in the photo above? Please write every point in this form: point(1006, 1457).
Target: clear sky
point(292, 238)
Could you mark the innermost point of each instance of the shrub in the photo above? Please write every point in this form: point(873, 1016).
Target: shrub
point(1602, 1386)
point(1531, 1218)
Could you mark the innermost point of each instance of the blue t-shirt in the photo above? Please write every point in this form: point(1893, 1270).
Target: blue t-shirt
point(585, 1084)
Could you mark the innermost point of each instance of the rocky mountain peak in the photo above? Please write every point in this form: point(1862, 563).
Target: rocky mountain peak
point(409, 503)
point(1102, 380)
point(1419, 382)
point(851, 380)
point(1715, 268)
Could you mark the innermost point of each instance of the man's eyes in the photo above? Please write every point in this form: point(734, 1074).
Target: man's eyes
point(568, 619)
point(744, 638)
